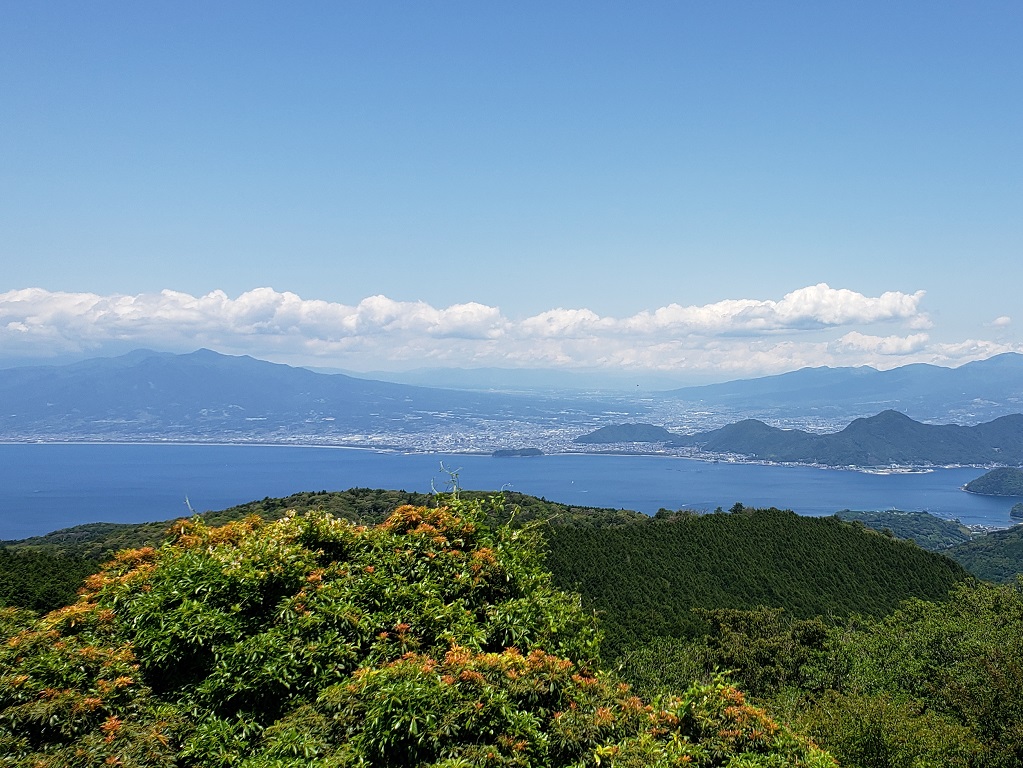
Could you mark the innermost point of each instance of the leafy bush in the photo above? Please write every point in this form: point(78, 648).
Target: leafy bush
point(954, 668)
point(312, 641)
point(933, 684)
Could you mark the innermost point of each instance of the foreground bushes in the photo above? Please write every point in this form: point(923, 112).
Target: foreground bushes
point(426, 640)
point(933, 684)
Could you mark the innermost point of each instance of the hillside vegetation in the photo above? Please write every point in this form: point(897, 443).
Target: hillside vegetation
point(428, 639)
point(358, 505)
point(996, 556)
point(436, 637)
point(932, 684)
point(44, 572)
point(646, 580)
point(922, 528)
point(41, 579)
point(624, 563)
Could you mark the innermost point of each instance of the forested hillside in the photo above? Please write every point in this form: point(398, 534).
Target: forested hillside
point(1001, 481)
point(997, 556)
point(44, 572)
point(924, 529)
point(359, 505)
point(646, 573)
point(645, 580)
point(936, 683)
point(41, 579)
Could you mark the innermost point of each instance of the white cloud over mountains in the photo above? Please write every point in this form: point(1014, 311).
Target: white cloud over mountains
point(887, 345)
point(734, 336)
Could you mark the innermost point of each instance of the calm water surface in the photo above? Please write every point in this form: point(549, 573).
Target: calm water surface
point(52, 486)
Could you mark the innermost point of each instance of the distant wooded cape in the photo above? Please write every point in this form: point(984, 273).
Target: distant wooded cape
point(1004, 481)
point(882, 440)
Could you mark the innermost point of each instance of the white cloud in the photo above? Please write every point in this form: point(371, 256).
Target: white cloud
point(816, 325)
point(813, 307)
point(887, 345)
point(1002, 322)
point(563, 323)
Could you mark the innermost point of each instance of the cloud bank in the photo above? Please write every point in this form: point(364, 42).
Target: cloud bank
point(815, 325)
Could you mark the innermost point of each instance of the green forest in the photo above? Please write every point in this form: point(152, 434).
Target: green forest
point(369, 627)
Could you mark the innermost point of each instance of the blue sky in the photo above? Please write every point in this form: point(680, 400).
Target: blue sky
point(710, 189)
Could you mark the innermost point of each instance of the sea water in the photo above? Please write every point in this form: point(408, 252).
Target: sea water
point(47, 486)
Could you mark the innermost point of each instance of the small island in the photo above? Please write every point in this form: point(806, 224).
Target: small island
point(1017, 511)
point(514, 453)
point(1003, 481)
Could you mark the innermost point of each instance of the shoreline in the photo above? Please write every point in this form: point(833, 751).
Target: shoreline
point(892, 469)
point(46, 488)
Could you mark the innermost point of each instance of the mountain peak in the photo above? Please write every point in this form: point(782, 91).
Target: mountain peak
point(889, 415)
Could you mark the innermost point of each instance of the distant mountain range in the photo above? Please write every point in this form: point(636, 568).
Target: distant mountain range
point(207, 395)
point(974, 392)
point(885, 439)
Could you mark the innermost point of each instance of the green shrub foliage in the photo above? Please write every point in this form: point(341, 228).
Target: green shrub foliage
point(932, 684)
point(428, 639)
point(950, 675)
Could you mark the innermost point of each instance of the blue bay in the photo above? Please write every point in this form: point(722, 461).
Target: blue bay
point(52, 486)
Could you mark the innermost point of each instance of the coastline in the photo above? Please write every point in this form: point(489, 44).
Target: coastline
point(49, 487)
point(716, 458)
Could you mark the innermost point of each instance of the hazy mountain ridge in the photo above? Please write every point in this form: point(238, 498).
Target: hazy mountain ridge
point(974, 392)
point(208, 395)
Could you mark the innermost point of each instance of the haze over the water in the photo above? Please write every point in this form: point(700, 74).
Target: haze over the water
point(708, 190)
